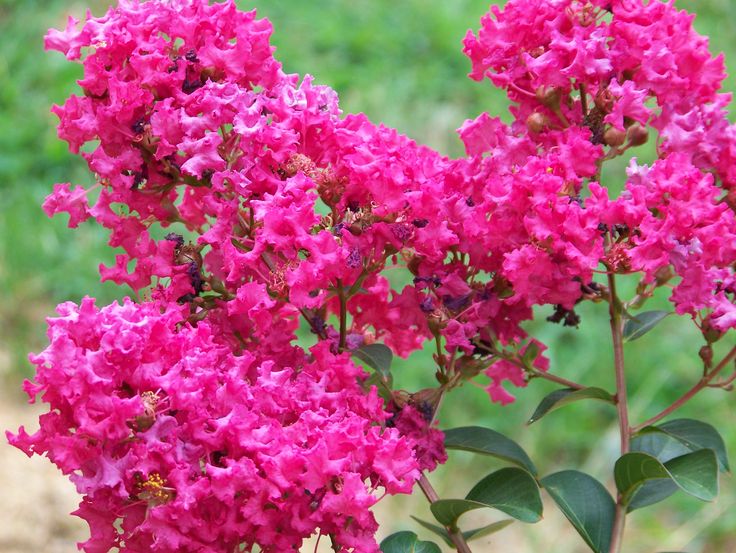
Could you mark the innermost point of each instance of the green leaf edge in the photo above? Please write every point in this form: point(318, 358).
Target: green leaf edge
point(571, 395)
point(469, 535)
point(564, 506)
point(521, 459)
point(414, 543)
point(629, 493)
point(721, 453)
point(364, 354)
point(632, 332)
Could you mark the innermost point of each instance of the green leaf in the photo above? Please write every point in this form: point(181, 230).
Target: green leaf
point(651, 492)
point(694, 435)
point(530, 354)
point(486, 530)
point(376, 356)
point(485, 441)
point(694, 473)
point(664, 448)
point(440, 531)
point(558, 398)
point(511, 490)
point(407, 542)
point(468, 534)
point(632, 470)
point(658, 444)
point(638, 326)
point(383, 385)
point(586, 504)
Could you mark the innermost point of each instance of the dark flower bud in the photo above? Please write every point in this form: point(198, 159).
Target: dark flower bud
point(614, 137)
point(413, 264)
point(604, 101)
point(537, 122)
point(637, 135)
point(549, 96)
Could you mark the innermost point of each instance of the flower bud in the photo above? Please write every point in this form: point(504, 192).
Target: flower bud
point(710, 333)
point(549, 96)
point(706, 354)
point(537, 122)
point(414, 263)
point(664, 275)
point(637, 135)
point(604, 101)
point(614, 137)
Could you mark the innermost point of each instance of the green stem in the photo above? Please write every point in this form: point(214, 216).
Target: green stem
point(614, 309)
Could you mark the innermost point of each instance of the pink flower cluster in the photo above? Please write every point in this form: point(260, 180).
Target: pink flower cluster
point(178, 443)
point(586, 79)
point(194, 420)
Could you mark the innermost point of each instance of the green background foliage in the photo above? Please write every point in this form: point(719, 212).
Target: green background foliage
point(401, 63)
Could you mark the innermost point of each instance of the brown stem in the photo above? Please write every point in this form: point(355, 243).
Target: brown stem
point(702, 383)
point(619, 522)
point(584, 99)
point(557, 379)
point(614, 309)
point(455, 535)
point(343, 314)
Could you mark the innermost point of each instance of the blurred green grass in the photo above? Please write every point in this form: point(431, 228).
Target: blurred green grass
point(400, 63)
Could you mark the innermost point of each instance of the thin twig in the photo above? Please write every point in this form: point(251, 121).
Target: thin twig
point(455, 535)
point(684, 398)
point(558, 379)
point(343, 314)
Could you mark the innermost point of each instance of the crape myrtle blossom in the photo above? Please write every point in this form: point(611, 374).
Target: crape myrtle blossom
point(611, 68)
point(244, 204)
point(190, 416)
point(191, 446)
point(610, 64)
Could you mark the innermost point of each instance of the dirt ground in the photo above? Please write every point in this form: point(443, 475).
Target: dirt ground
point(35, 498)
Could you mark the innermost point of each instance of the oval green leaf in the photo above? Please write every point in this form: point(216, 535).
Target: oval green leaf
point(694, 435)
point(664, 448)
point(511, 490)
point(407, 542)
point(694, 473)
point(558, 398)
point(485, 441)
point(651, 492)
point(586, 504)
point(638, 326)
point(376, 356)
point(658, 444)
